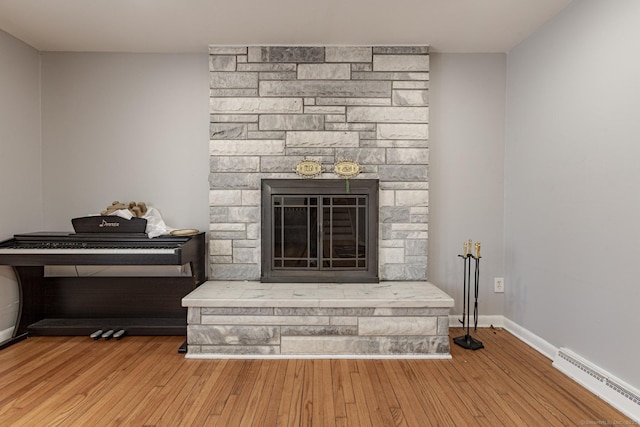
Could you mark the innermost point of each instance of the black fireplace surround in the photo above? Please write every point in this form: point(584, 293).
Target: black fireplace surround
point(319, 230)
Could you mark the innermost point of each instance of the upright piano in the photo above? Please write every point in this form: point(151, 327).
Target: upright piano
point(76, 304)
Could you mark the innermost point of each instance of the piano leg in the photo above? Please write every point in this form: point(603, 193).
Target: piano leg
point(30, 281)
point(29, 304)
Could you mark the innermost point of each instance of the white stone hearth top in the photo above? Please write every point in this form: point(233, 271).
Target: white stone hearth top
point(257, 294)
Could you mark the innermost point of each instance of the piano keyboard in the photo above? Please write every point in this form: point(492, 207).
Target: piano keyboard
point(88, 248)
point(86, 251)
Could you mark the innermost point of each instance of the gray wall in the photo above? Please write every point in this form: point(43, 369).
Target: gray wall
point(20, 167)
point(466, 156)
point(134, 127)
point(572, 198)
point(97, 108)
point(128, 127)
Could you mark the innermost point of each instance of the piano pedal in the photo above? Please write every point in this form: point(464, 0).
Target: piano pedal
point(107, 335)
point(96, 335)
point(120, 334)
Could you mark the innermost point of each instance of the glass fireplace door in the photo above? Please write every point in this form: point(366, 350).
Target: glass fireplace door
point(295, 232)
point(344, 238)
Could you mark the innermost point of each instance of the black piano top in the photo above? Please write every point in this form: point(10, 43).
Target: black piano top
point(53, 248)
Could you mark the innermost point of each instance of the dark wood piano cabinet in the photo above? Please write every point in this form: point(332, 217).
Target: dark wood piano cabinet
point(81, 305)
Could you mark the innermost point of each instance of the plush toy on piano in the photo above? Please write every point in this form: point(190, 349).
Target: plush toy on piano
point(137, 209)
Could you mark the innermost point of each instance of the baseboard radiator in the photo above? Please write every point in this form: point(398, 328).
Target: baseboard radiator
point(620, 395)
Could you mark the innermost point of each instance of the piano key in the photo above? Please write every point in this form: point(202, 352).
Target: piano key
point(87, 251)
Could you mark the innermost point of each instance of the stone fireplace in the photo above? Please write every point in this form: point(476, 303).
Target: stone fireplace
point(272, 107)
point(318, 266)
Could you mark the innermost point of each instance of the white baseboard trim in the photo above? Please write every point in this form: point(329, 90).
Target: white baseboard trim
point(483, 321)
point(532, 340)
point(6, 334)
point(612, 390)
point(521, 333)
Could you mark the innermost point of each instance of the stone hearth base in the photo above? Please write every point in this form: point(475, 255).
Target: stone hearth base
point(288, 320)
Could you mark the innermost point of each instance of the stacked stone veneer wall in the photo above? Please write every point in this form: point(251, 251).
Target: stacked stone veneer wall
point(318, 331)
point(273, 106)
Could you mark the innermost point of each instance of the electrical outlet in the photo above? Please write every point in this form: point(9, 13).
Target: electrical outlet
point(498, 284)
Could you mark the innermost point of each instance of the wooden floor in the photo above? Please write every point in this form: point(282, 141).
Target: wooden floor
point(143, 381)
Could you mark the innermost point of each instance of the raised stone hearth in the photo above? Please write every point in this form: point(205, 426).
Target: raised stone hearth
point(252, 319)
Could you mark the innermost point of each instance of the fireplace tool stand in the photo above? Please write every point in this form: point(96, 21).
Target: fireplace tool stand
point(467, 341)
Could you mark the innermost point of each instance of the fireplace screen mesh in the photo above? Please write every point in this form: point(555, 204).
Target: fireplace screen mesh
point(314, 232)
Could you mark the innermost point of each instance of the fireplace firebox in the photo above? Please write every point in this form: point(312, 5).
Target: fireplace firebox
point(317, 231)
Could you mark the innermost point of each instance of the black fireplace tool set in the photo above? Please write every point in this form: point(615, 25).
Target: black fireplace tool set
point(467, 341)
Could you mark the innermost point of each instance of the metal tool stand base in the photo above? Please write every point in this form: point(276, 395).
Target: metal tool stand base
point(468, 342)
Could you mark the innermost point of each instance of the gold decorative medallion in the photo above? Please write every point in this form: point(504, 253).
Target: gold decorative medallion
point(309, 168)
point(347, 169)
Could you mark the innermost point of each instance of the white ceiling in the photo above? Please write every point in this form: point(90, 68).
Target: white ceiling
point(173, 26)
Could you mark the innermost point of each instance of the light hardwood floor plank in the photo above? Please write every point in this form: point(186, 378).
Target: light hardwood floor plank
point(273, 400)
point(410, 402)
point(143, 381)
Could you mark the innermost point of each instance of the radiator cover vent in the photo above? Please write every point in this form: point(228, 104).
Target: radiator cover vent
point(623, 391)
point(620, 395)
point(584, 368)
